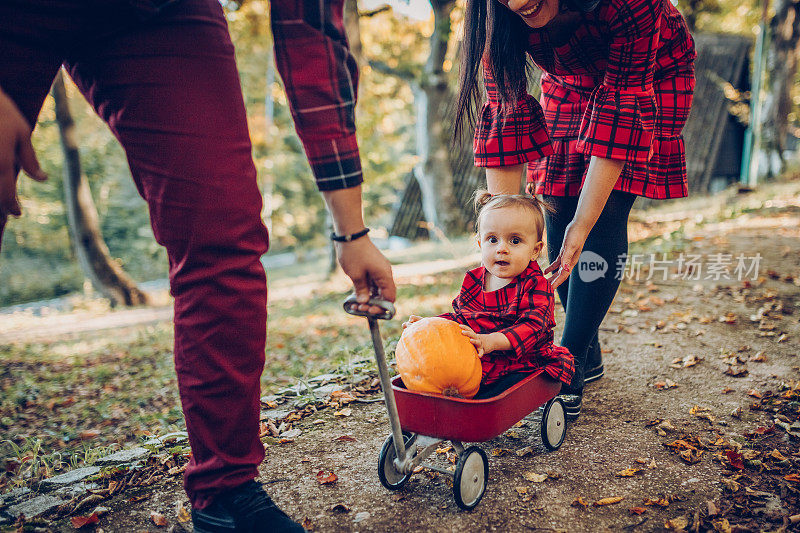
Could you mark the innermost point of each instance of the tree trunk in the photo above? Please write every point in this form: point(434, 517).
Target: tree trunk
point(353, 30)
point(782, 64)
point(105, 274)
point(432, 94)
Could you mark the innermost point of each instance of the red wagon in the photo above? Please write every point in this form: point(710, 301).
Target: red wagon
point(422, 421)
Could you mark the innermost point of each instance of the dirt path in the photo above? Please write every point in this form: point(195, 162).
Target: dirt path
point(691, 366)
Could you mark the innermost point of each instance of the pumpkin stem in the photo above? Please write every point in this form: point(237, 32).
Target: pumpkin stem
point(452, 392)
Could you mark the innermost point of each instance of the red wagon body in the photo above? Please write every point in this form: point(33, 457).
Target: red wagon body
point(464, 420)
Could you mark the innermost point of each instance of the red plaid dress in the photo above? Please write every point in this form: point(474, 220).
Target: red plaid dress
point(619, 86)
point(523, 312)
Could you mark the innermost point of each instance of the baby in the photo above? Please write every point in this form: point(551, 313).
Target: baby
point(505, 306)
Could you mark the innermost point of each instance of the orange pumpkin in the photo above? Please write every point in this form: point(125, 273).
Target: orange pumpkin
point(434, 356)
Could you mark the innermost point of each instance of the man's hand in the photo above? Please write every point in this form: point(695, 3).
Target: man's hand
point(369, 270)
point(16, 151)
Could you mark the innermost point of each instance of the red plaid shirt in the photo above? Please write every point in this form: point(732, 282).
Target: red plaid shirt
point(523, 312)
point(321, 80)
point(618, 86)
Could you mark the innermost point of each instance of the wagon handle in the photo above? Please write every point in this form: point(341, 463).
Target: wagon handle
point(388, 307)
point(383, 368)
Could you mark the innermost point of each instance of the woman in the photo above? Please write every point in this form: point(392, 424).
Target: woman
point(617, 85)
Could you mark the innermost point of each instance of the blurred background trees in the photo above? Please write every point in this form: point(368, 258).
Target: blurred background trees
point(407, 66)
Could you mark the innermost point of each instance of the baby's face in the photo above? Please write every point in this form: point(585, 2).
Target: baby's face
point(509, 241)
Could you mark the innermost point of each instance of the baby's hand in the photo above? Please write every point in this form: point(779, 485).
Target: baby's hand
point(411, 320)
point(476, 339)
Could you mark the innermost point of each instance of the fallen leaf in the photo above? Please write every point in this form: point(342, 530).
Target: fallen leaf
point(340, 508)
point(346, 438)
point(499, 452)
point(722, 526)
point(677, 523)
point(755, 394)
point(342, 397)
point(660, 502)
point(534, 477)
point(579, 502)
point(759, 357)
point(344, 412)
point(776, 455)
point(736, 371)
point(83, 521)
point(735, 459)
point(307, 524)
point(521, 490)
point(637, 510)
point(730, 484)
point(527, 450)
point(608, 501)
point(629, 472)
point(158, 519)
point(184, 516)
point(691, 456)
point(89, 434)
point(666, 425)
point(713, 508)
point(794, 478)
point(326, 478)
point(727, 390)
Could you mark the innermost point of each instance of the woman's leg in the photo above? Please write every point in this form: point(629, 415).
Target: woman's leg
point(587, 300)
point(556, 226)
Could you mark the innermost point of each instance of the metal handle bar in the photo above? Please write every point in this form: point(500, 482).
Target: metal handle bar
point(388, 307)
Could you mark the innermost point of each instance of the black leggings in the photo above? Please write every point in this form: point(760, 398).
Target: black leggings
point(586, 300)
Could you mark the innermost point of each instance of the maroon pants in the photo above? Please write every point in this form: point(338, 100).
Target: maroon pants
point(167, 85)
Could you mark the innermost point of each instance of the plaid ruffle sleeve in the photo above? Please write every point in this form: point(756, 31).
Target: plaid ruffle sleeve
point(508, 135)
point(619, 121)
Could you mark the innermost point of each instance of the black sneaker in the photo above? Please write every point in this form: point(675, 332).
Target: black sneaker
point(244, 509)
point(595, 358)
point(593, 374)
point(572, 405)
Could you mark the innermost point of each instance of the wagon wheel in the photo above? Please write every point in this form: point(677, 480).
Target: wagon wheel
point(390, 477)
point(554, 424)
point(472, 474)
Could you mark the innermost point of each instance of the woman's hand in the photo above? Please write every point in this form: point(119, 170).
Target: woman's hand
point(571, 247)
point(411, 320)
point(16, 151)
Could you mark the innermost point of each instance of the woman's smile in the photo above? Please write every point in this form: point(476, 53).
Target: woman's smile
point(532, 10)
point(536, 13)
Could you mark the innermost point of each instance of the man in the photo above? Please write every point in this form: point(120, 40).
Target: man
point(162, 74)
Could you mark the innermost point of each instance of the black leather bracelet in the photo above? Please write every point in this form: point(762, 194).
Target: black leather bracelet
point(351, 237)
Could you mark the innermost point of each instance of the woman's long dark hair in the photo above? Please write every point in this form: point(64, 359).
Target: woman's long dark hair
point(507, 36)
